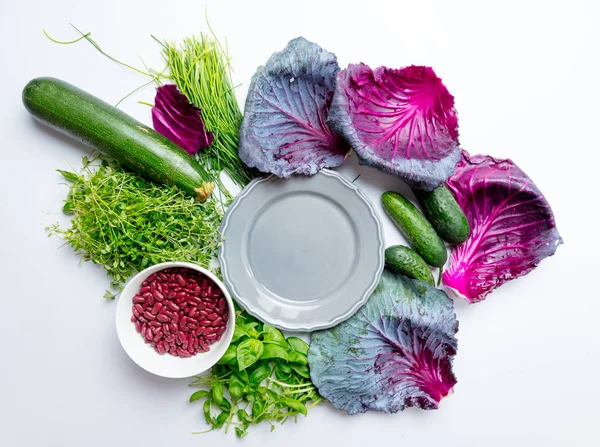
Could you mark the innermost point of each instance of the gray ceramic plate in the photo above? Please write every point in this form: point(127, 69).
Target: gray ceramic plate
point(303, 253)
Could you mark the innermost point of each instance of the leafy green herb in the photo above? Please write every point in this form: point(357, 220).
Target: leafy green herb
point(200, 69)
point(262, 377)
point(126, 223)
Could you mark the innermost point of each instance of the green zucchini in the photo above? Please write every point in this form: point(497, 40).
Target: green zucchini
point(408, 262)
point(416, 228)
point(444, 213)
point(101, 126)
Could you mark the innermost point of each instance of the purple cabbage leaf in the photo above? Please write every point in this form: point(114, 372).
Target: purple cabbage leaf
point(395, 352)
point(400, 121)
point(284, 129)
point(512, 226)
point(174, 117)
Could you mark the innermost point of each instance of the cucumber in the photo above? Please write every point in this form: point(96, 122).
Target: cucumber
point(416, 228)
point(101, 126)
point(408, 262)
point(442, 210)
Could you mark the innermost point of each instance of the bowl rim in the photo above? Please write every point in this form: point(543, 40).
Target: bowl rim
point(126, 297)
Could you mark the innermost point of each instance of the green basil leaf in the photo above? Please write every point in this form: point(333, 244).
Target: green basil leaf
point(230, 356)
point(243, 376)
point(221, 418)
point(298, 344)
point(236, 387)
point(274, 352)
point(260, 374)
point(241, 432)
point(274, 336)
point(207, 416)
point(70, 176)
point(257, 408)
point(248, 352)
point(198, 395)
point(294, 404)
point(283, 376)
point(284, 368)
point(301, 370)
point(238, 332)
point(244, 416)
point(250, 329)
point(225, 405)
point(217, 393)
point(297, 357)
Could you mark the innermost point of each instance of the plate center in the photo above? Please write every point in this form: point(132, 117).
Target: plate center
point(310, 237)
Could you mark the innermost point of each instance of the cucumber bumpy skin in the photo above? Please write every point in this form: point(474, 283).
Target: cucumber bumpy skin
point(101, 126)
point(443, 211)
point(416, 228)
point(408, 262)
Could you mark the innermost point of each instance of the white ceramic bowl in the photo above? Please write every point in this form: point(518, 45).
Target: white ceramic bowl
point(144, 355)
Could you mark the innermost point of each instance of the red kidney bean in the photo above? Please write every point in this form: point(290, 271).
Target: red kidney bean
point(196, 291)
point(138, 307)
point(180, 279)
point(138, 326)
point(151, 278)
point(164, 318)
point(166, 328)
point(156, 324)
point(203, 345)
point(174, 328)
point(222, 304)
point(216, 322)
point(183, 353)
point(182, 337)
point(205, 322)
point(191, 320)
point(192, 326)
point(142, 319)
point(151, 300)
point(161, 348)
point(158, 336)
point(220, 330)
point(200, 330)
point(203, 313)
point(192, 312)
point(174, 307)
point(212, 316)
point(156, 308)
point(162, 276)
point(145, 289)
point(138, 299)
point(149, 316)
point(175, 318)
point(158, 296)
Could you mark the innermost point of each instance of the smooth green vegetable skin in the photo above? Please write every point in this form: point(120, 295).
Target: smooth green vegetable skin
point(101, 126)
point(416, 228)
point(408, 262)
point(442, 210)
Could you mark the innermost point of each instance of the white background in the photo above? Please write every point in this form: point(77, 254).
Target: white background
point(525, 78)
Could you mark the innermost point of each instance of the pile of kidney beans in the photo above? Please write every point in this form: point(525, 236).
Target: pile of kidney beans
point(180, 311)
